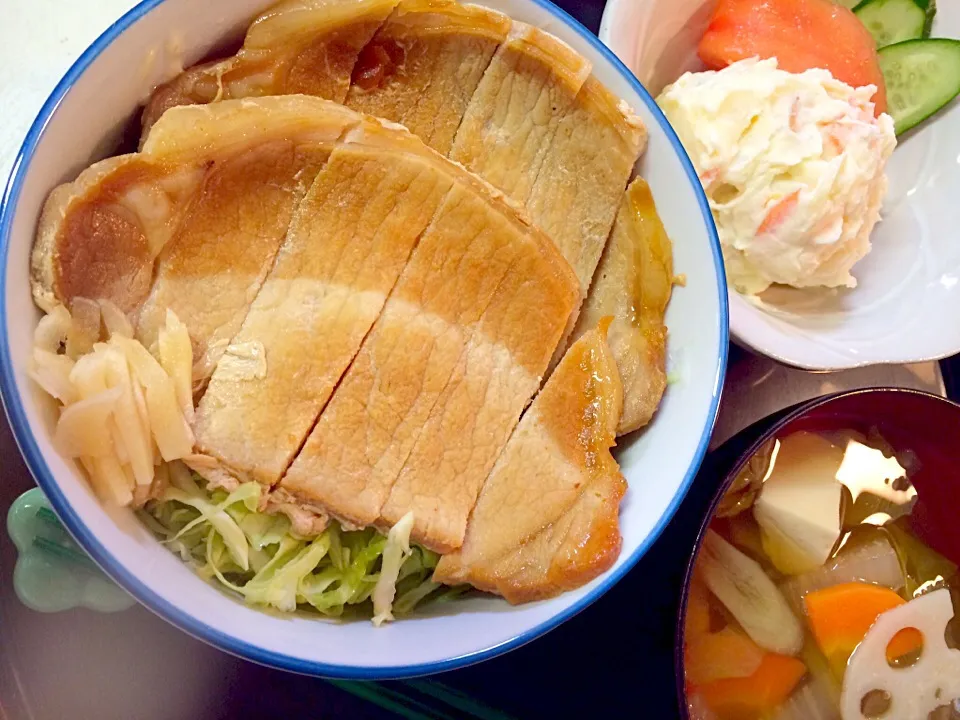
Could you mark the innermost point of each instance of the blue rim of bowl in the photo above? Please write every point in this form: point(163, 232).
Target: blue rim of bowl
point(16, 414)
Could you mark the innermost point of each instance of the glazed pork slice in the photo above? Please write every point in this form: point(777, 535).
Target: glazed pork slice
point(347, 245)
point(296, 46)
point(468, 427)
point(476, 245)
point(549, 135)
point(586, 168)
point(423, 65)
point(517, 108)
point(632, 285)
point(546, 520)
point(191, 223)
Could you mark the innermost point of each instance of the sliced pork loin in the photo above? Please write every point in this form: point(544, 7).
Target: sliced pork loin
point(191, 223)
point(349, 240)
point(295, 46)
point(547, 133)
point(584, 173)
point(546, 519)
point(495, 378)
point(632, 285)
point(423, 65)
point(509, 125)
point(477, 275)
point(512, 103)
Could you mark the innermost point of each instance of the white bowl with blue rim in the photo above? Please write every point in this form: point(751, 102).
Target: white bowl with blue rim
point(906, 306)
point(80, 123)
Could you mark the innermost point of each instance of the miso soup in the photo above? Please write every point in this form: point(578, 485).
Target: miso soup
point(813, 598)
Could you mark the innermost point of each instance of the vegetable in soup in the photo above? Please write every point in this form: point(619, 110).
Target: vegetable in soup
point(812, 593)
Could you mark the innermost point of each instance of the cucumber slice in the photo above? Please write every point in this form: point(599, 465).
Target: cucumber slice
point(892, 21)
point(921, 77)
point(849, 4)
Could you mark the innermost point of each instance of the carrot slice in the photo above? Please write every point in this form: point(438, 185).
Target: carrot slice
point(725, 654)
point(801, 34)
point(754, 696)
point(840, 617)
point(779, 213)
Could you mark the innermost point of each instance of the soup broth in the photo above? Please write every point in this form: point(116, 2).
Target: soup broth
point(813, 596)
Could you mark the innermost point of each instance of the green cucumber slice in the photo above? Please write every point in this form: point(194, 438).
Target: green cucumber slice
point(921, 77)
point(892, 21)
point(849, 4)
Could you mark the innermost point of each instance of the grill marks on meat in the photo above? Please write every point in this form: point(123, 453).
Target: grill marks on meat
point(349, 240)
point(423, 65)
point(546, 519)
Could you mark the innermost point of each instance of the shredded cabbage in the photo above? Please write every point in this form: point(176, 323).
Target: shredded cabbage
point(395, 552)
point(225, 537)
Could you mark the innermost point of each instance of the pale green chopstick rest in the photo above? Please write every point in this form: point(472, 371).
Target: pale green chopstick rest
point(53, 574)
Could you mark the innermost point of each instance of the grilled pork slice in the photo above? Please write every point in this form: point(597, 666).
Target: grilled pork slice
point(191, 223)
point(544, 131)
point(633, 284)
point(587, 166)
point(517, 108)
point(469, 425)
point(423, 65)
point(349, 240)
point(546, 520)
point(454, 287)
point(296, 46)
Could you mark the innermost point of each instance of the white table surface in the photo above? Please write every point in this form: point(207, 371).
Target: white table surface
point(39, 40)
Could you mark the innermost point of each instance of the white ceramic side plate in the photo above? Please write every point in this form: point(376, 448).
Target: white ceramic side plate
point(80, 122)
point(906, 306)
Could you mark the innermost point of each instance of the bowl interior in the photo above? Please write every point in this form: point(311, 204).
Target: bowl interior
point(928, 425)
point(83, 120)
point(903, 307)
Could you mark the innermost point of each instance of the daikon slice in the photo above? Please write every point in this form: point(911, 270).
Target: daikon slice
point(133, 430)
point(176, 357)
point(52, 373)
point(85, 327)
point(83, 427)
point(52, 330)
point(915, 690)
point(114, 319)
